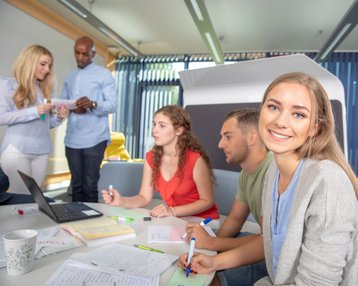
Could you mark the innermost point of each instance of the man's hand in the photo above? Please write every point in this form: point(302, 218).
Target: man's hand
point(79, 110)
point(203, 239)
point(83, 102)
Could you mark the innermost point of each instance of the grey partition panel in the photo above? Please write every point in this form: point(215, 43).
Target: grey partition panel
point(225, 189)
point(123, 176)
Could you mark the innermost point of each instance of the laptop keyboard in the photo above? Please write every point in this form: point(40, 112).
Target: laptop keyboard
point(69, 210)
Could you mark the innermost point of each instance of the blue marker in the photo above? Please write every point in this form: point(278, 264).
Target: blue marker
point(203, 223)
point(190, 255)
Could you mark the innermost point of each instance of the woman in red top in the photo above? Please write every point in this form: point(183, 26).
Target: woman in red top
point(177, 167)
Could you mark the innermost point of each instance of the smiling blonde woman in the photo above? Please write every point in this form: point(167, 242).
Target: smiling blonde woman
point(310, 207)
point(27, 141)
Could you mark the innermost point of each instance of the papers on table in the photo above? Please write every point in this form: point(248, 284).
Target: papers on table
point(73, 273)
point(165, 233)
point(53, 240)
point(116, 258)
point(113, 264)
point(69, 103)
point(170, 234)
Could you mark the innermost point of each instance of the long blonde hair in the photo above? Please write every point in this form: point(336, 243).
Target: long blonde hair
point(324, 144)
point(24, 69)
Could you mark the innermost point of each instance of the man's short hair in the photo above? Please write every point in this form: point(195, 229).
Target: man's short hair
point(246, 118)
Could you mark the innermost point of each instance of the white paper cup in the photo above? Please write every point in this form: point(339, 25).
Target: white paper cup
point(20, 250)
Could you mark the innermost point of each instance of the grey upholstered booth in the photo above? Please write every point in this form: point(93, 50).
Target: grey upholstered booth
point(123, 176)
point(225, 189)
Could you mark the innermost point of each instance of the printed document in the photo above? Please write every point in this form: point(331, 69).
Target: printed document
point(129, 260)
point(72, 273)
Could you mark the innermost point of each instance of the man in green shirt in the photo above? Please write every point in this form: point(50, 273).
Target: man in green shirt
point(242, 145)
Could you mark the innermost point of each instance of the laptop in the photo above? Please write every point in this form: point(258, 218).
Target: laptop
point(62, 212)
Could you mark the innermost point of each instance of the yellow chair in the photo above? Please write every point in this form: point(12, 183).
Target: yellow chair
point(116, 150)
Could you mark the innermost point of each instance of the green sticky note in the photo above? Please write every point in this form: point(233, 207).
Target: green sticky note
point(179, 279)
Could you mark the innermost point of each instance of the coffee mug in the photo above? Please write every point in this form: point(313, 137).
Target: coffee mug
point(19, 248)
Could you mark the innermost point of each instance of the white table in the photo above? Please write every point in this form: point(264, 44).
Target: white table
point(46, 266)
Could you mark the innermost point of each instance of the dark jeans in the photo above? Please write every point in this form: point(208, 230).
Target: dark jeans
point(244, 275)
point(84, 166)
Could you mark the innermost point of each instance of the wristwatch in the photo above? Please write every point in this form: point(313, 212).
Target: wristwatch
point(93, 105)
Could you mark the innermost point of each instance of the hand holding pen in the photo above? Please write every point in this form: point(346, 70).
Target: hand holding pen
point(199, 263)
point(111, 196)
point(44, 108)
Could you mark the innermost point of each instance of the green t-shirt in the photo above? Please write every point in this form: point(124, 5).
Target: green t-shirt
point(251, 185)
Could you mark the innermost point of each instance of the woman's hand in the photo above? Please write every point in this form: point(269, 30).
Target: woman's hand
point(44, 108)
point(62, 112)
point(199, 264)
point(112, 197)
point(162, 210)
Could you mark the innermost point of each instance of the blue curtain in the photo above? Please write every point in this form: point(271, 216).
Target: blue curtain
point(144, 85)
point(345, 67)
point(126, 119)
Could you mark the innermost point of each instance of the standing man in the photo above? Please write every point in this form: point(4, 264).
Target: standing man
point(87, 133)
point(242, 145)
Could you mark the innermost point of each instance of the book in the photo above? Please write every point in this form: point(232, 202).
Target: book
point(99, 230)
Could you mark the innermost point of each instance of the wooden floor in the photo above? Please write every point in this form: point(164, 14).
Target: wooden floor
point(56, 178)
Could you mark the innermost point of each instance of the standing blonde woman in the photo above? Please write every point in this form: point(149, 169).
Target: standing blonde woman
point(27, 141)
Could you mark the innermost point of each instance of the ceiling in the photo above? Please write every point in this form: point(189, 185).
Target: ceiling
point(155, 27)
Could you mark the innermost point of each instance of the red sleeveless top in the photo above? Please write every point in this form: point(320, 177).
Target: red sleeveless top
point(180, 191)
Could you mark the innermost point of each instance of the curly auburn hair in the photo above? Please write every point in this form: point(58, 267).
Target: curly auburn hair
point(180, 118)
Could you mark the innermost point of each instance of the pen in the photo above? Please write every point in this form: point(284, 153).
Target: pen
point(203, 223)
point(190, 255)
point(148, 248)
point(122, 219)
point(110, 188)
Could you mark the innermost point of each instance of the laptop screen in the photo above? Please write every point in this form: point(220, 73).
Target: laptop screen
point(37, 195)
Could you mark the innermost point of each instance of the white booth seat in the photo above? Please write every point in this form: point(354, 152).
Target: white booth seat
point(127, 176)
